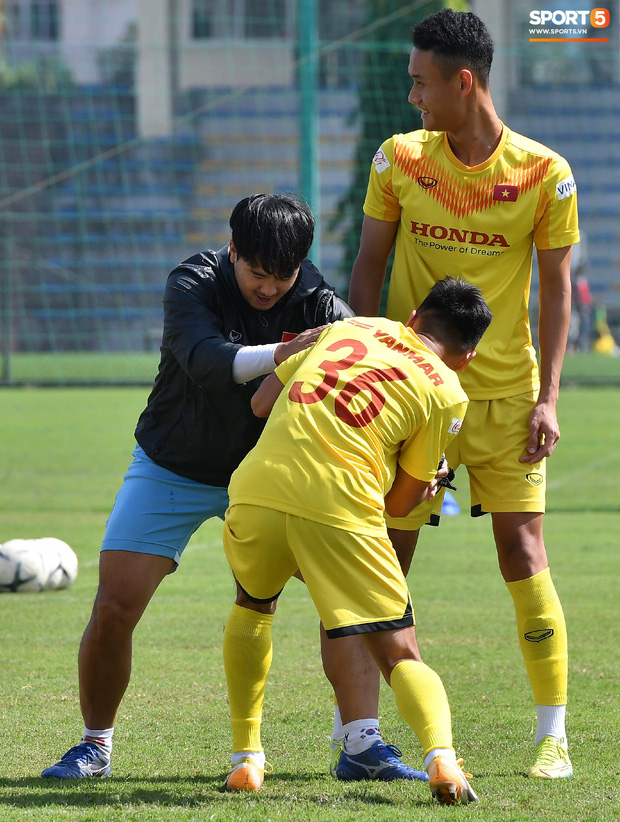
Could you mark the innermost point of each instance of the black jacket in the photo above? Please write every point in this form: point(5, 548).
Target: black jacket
point(198, 422)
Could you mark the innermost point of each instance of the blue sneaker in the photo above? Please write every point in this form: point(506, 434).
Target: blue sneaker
point(379, 763)
point(84, 759)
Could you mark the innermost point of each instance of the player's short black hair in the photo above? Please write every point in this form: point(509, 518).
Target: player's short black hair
point(456, 313)
point(274, 231)
point(456, 38)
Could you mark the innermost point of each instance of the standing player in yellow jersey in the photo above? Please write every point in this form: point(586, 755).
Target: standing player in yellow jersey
point(467, 194)
point(359, 425)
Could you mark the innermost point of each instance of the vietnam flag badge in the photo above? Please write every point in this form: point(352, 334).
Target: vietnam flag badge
point(507, 194)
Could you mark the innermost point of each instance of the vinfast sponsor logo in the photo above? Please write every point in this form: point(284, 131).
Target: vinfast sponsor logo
point(566, 188)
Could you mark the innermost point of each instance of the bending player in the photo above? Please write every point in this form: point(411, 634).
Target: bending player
point(365, 415)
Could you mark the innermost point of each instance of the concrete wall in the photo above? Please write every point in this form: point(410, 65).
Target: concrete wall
point(211, 63)
point(495, 15)
point(154, 69)
point(87, 28)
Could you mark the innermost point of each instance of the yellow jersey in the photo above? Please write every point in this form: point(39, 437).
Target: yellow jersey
point(367, 396)
point(479, 223)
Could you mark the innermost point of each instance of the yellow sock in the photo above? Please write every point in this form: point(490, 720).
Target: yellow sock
point(423, 704)
point(247, 660)
point(542, 636)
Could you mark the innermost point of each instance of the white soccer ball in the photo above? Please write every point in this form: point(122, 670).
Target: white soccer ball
point(60, 560)
point(21, 568)
point(36, 565)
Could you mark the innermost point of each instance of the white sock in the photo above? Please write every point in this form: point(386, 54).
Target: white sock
point(551, 722)
point(257, 757)
point(101, 738)
point(447, 753)
point(359, 735)
point(337, 733)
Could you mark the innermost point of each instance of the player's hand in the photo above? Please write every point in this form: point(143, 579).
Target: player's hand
point(431, 490)
point(304, 340)
point(435, 484)
point(445, 475)
point(544, 433)
point(443, 469)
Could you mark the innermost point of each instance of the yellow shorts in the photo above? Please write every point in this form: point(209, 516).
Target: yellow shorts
point(493, 437)
point(355, 581)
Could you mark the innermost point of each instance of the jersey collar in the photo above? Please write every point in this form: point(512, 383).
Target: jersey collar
point(482, 166)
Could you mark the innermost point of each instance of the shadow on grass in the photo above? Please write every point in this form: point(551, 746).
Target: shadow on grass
point(192, 792)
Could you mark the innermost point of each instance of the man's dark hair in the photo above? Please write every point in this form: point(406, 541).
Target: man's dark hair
point(456, 38)
point(456, 313)
point(274, 231)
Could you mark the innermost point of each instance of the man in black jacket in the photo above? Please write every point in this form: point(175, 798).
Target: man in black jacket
point(230, 317)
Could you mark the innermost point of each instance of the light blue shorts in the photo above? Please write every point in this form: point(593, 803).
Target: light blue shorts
point(156, 511)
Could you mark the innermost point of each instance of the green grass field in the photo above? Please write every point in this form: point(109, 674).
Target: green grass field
point(62, 456)
point(124, 368)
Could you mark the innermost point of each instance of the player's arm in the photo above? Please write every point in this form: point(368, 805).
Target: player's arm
point(264, 398)
point(256, 360)
point(407, 492)
point(553, 322)
point(193, 330)
point(368, 273)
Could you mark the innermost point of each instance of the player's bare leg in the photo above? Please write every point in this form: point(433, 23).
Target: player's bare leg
point(542, 634)
point(127, 581)
point(520, 545)
point(346, 661)
point(404, 543)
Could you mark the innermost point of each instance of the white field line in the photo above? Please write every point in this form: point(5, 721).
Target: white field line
point(589, 466)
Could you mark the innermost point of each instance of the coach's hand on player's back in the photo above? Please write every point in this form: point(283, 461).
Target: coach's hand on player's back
point(298, 343)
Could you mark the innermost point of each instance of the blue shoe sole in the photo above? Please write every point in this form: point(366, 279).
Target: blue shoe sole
point(58, 773)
